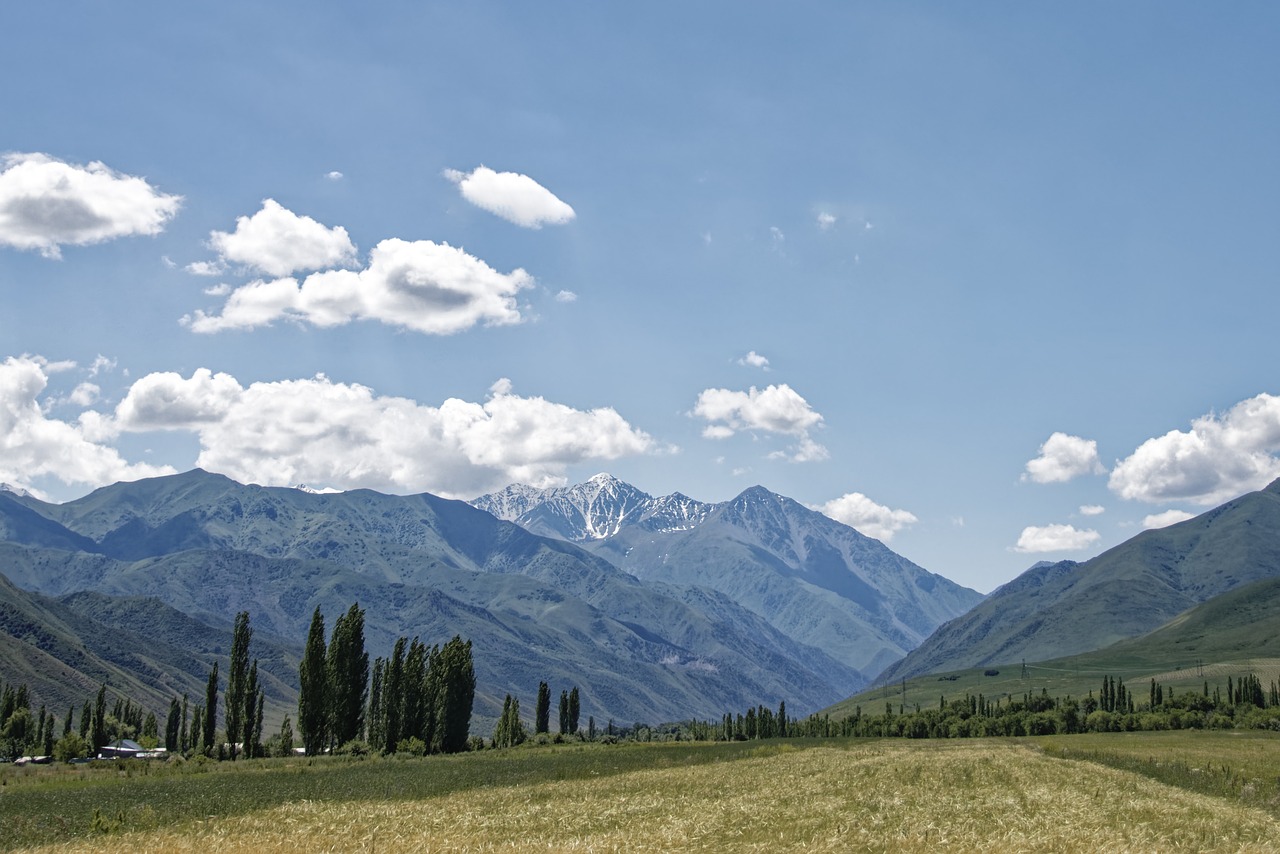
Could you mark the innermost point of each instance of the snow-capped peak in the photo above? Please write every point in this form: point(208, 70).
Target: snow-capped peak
point(15, 490)
point(326, 490)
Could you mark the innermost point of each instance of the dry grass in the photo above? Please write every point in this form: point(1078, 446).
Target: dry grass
point(878, 796)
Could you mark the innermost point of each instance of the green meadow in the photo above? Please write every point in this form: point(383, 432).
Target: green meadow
point(1179, 791)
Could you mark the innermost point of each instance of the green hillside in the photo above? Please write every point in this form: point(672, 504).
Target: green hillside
point(1067, 608)
point(1230, 635)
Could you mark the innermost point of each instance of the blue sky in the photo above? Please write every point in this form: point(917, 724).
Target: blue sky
point(1001, 276)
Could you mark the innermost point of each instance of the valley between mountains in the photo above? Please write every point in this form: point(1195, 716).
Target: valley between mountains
point(656, 608)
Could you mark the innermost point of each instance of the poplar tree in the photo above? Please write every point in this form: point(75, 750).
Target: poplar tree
point(564, 712)
point(237, 685)
point(393, 696)
point(573, 709)
point(210, 733)
point(542, 715)
point(313, 693)
point(414, 708)
point(100, 720)
point(348, 666)
point(171, 726)
point(456, 687)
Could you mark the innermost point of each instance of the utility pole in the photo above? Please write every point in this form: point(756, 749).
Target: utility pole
point(1024, 668)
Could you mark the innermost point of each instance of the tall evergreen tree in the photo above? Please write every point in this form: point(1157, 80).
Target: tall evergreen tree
point(456, 694)
point(313, 693)
point(252, 700)
point(237, 683)
point(414, 676)
point(171, 726)
point(375, 720)
point(393, 696)
point(184, 739)
point(564, 712)
point(100, 721)
point(542, 714)
point(573, 709)
point(348, 666)
point(208, 738)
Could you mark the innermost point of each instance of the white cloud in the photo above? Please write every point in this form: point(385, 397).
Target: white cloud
point(33, 445)
point(514, 197)
point(806, 451)
point(1055, 538)
point(219, 290)
point(424, 286)
point(754, 360)
point(776, 234)
point(101, 364)
point(826, 220)
point(85, 394)
point(206, 268)
point(319, 431)
point(1165, 519)
point(1220, 458)
point(278, 242)
point(1063, 457)
point(46, 204)
point(776, 409)
point(566, 296)
point(1092, 510)
point(335, 175)
point(867, 517)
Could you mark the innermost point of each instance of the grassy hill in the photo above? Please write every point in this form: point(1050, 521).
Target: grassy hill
point(1056, 610)
point(64, 649)
point(1230, 635)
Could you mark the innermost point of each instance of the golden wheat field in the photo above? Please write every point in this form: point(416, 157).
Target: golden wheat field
point(869, 796)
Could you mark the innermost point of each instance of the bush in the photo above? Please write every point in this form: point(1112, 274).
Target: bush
point(413, 746)
point(355, 747)
point(70, 746)
point(475, 743)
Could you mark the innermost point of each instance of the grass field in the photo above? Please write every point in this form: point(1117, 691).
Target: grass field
point(1053, 794)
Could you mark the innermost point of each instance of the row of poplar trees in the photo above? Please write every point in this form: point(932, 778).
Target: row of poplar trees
point(417, 693)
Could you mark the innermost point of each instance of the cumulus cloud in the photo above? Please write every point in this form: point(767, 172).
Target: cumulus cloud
point(1055, 538)
point(1165, 519)
point(1062, 458)
point(46, 204)
point(335, 175)
point(278, 242)
point(754, 360)
point(826, 220)
point(566, 296)
point(344, 435)
point(1219, 458)
point(33, 445)
point(775, 409)
point(867, 517)
point(1092, 510)
point(420, 285)
point(514, 197)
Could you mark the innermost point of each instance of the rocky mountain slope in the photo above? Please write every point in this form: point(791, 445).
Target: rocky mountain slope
point(813, 579)
point(536, 608)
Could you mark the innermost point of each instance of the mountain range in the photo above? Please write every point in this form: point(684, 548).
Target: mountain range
point(1060, 609)
point(812, 578)
point(658, 645)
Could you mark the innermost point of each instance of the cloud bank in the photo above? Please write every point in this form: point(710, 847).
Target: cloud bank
point(867, 517)
point(346, 436)
point(1219, 458)
point(46, 204)
point(514, 197)
point(420, 285)
point(33, 446)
